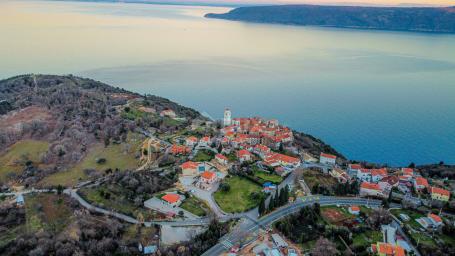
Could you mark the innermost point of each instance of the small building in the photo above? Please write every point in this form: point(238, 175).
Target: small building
point(353, 169)
point(221, 159)
point(355, 210)
point(172, 199)
point(268, 187)
point(364, 174)
point(371, 189)
point(439, 194)
point(386, 249)
point(191, 141)
point(378, 174)
point(404, 217)
point(189, 168)
point(279, 241)
point(407, 171)
point(244, 155)
point(327, 159)
point(208, 177)
point(432, 221)
point(420, 183)
point(261, 150)
point(180, 150)
point(205, 141)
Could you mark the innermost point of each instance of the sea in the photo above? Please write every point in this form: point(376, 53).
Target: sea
point(378, 96)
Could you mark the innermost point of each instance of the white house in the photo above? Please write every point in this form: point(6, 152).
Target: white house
point(432, 221)
point(244, 155)
point(172, 199)
point(378, 174)
point(355, 210)
point(191, 141)
point(327, 159)
point(371, 189)
point(189, 168)
point(364, 175)
point(205, 141)
point(221, 159)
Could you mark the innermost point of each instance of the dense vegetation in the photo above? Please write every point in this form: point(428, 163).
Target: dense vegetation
point(386, 18)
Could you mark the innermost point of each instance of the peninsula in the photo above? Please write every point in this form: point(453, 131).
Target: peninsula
point(419, 19)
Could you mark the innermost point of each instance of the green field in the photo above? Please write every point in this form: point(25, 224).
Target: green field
point(48, 212)
point(195, 206)
point(116, 201)
point(366, 238)
point(115, 156)
point(412, 214)
point(203, 156)
point(13, 160)
point(266, 176)
point(238, 198)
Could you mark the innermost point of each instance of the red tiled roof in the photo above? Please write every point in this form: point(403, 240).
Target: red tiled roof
point(435, 190)
point(368, 185)
point(435, 217)
point(191, 138)
point(220, 156)
point(243, 152)
point(379, 172)
point(354, 208)
point(389, 249)
point(407, 171)
point(355, 166)
point(421, 181)
point(208, 175)
point(328, 156)
point(189, 165)
point(171, 198)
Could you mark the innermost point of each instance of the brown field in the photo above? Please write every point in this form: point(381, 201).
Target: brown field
point(14, 119)
point(333, 215)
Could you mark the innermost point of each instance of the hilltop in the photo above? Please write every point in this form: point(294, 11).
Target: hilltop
point(421, 19)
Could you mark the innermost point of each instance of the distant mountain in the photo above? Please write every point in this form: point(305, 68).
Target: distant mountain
point(422, 19)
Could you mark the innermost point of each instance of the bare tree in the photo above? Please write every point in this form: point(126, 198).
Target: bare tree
point(324, 247)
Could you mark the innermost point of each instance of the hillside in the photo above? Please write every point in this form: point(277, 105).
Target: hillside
point(57, 127)
point(422, 19)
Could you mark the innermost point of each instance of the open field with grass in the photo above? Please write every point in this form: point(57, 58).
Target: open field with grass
point(13, 160)
point(313, 177)
point(203, 156)
point(238, 198)
point(195, 206)
point(366, 238)
point(121, 156)
point(335, 215)
point(266, 176)
point(48, 212)
point(113, 197)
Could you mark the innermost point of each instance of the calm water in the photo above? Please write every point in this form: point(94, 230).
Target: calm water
point(378, 96)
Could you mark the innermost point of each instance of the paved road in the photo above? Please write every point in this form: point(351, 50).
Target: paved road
point(252, 226)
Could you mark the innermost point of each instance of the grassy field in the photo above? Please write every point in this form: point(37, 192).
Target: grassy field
point(48, 212)
point(272, 177)
point(238, 198)
point(203, 156)
point(115, 156)
point(116, 201)
point(366, 238)
point(13, 160)
point(195, 206)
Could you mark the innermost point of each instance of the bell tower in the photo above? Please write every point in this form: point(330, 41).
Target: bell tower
point(227, 117)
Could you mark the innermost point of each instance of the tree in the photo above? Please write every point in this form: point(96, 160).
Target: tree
point(324, 247)
point(220, 148)
point(379, 217)
point(261, 208)
point(277, 198)
point(412, 165)
point(271, 204)
point(59, 189)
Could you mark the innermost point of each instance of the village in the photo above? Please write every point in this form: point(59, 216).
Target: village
point(252, 168)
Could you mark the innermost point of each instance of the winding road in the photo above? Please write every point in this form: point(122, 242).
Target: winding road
point(251, 226)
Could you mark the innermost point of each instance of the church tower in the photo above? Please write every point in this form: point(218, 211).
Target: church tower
point(227, 117)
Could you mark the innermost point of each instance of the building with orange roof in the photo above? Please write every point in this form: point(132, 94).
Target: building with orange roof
point(244, 155)
point(261, 150)
point(180, 149)
point(191, 141)
point(208, 177)
point(440, 194)
point(327, 159)
point(371, 189)
point(205, 141)
point(378, 174)
point(354, 209)
point(431, 222)
point(172, 199)
point(386, 249)
point(189, 168)
point(221, 159)
point(407, 171)
point(420, 183)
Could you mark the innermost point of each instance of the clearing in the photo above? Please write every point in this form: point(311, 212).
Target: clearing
point(121, 156)
point(13, 160)
point(239, 197)
point(195, 206)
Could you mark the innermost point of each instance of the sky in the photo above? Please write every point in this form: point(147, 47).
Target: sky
point(325, 2)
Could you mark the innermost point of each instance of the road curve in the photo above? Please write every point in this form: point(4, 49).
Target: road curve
point(233, 238)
